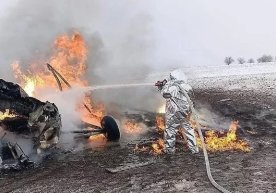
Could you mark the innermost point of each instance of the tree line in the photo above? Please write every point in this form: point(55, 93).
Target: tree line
point(265, 58)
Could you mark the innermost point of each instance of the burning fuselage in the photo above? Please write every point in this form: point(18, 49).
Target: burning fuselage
point(23, 114)
point(68, 59)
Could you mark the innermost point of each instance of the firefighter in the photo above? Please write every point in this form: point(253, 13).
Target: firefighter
point(178, 108)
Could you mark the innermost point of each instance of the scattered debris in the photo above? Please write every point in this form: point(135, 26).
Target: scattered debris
point(129, 166)
point(21, 114)
point(224, 100)
point(12, 157)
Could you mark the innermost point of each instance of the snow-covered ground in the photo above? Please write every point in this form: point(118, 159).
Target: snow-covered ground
point(231, 70)
point(195, 72)
point(258, 77)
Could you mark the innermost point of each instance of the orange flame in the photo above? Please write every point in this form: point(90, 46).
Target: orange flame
point(69, 56)
point(97, 138)
point(158, 147)
point(69, 59)
point(160, 123)
point(138, 149)
point(96, 111)
point(132, 127)
point(28, 81)
point(6, 114)
point(214, 140)
point(224, 141)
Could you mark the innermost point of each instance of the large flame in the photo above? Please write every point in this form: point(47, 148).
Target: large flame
point(69, 57)
point(214, 140)
point(225, 141)
point(28, 81)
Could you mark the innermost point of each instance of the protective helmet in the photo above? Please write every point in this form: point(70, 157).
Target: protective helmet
point(178, 75)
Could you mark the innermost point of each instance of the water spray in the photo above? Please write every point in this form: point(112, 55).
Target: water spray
point(113, 86)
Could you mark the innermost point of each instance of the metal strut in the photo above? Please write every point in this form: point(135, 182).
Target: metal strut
point(58, 76)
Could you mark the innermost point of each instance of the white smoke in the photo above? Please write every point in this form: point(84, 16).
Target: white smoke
point(209, 119)
point(120, 37)
point(118, 34)
point(66, 102)
point(24, 142)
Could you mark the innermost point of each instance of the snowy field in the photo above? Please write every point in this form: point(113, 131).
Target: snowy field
point(199, 72)
point(256, 77)
point(231, 70)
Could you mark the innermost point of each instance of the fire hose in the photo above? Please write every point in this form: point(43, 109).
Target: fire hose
point(213, 182)
point(207, 164)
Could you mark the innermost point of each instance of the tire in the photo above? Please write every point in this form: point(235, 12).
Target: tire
point(111, 128)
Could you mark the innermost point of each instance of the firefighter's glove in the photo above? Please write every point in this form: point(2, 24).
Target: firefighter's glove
point(160, 84)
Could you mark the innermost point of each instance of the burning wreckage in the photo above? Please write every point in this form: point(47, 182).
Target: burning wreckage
point(40, 122)
point(26, 115)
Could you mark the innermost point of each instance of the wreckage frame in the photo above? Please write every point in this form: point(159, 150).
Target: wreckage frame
point(40, 121)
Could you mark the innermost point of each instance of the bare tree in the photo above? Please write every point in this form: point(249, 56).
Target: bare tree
point(265, 58)
point(251, 60)
point(241, 60)
point(228, 60)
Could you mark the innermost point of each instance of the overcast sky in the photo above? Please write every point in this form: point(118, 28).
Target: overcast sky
point(205, 31)
point(182, 32)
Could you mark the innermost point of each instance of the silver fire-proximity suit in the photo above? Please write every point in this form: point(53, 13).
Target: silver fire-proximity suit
point(178, 107)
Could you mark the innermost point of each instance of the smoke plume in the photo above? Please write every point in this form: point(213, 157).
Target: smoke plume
point(119, 35)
